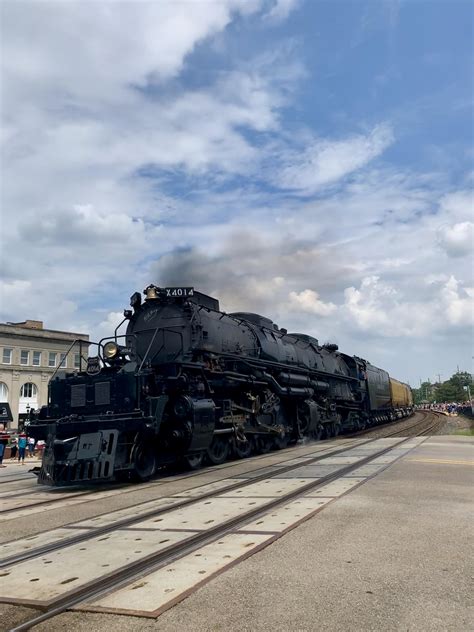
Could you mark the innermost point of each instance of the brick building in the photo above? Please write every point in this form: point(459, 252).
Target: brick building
point(29, 356)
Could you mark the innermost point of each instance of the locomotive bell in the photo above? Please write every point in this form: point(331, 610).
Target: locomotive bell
point(151, 292)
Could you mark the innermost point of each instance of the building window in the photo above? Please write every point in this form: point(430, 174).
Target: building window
point(77, 360)
point(7, 356)
point(3, 392)
point(28, 390)
point(51, 359)
point(62, 360)
point(36, 358)
point(24, 357)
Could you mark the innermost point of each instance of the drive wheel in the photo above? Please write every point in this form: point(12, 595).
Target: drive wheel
point(317, 435)
point(193, 461)
point(263, 445)
point(144, 461)
point(242, 448)
point(218, 450)
point(281, 443)
point(328, 431)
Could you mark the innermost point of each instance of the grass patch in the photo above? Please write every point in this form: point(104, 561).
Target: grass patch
point(467, 432)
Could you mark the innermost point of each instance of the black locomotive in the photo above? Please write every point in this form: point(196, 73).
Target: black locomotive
point(187, 382)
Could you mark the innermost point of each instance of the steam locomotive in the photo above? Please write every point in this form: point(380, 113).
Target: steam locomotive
point(188, 382)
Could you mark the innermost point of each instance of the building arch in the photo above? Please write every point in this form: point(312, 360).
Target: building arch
point(28, 397)
point(3, 392)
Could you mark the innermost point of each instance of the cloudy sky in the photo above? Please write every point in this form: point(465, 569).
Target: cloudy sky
point(308, 160)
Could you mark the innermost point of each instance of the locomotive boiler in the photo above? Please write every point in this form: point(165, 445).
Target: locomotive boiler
point(187, 382)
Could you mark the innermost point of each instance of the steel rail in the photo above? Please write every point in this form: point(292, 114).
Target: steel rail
point(45, 502)
point(22, 478)
point(422, 432)
point(152, 513)
point(157, 560)
point(126, 522)
point(390, 424)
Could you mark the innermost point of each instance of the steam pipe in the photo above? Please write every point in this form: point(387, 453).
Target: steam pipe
point(286, 391)
point(295, 379)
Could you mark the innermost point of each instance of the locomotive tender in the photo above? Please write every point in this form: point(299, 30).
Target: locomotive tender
point(188, 382)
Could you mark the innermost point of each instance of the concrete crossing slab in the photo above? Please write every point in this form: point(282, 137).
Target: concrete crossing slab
point(160, 590)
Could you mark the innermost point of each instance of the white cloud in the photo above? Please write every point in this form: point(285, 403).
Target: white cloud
point(326, 161)
point(366, 304)
point(309, 301)
point(281, 9)
point(458, 303)
point(458, 204)
point(77, 131)
point(21, 299)
point(116, 171)
point(380, 309)
point(107, 326)
point(95, 50)
point(457, 239)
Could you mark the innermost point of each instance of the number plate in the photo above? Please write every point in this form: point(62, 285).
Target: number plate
point(178, 292)
point(93, 365)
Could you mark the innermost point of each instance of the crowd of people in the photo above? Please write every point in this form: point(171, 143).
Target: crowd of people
point(21, 446)
point(452, 408)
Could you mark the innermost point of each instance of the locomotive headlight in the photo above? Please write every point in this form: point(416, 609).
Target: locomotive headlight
point(110, 350)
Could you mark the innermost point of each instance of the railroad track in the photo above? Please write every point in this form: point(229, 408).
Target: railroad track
point(436, 425)
point(112, 489)
point(27, 476)
point(350, 461)
point(154, 513)
point(435, 422)
point(45, 498)
point(393, 428)
point(42, 503)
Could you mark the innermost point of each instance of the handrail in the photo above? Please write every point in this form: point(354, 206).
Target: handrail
point(159, 329)
point(80, 341)
point(117, 328)
point(148, 349)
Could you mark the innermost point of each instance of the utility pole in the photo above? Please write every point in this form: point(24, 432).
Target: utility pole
point(439, 378)
point(470, 400)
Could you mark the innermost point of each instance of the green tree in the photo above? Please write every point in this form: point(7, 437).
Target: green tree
point(423, 394)
point(453, 389)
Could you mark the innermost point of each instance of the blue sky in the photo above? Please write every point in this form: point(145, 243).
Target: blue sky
point(309, 160)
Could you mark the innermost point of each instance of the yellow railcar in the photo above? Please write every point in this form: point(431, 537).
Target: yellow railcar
point(401, 394)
